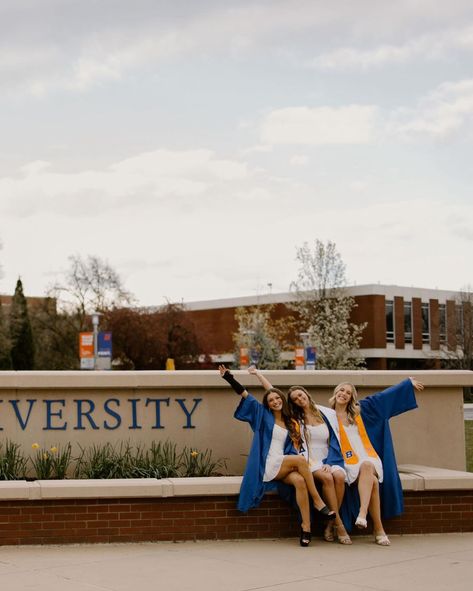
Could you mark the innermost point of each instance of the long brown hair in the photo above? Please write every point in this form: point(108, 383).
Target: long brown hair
point(353, 407)
point(289, 422)
point(298, 412)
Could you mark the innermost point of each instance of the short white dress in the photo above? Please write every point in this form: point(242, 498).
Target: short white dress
point(317, 447)
point(353, 470)
point(275, 455)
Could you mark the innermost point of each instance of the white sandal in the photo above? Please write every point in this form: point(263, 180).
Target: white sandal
point(382, 539)
point(361, 523)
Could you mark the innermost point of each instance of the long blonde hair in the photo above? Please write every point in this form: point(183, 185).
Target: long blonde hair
point(353, 407)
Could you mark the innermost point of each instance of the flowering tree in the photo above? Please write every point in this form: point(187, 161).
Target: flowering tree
point(324, 307)
point(258, 333)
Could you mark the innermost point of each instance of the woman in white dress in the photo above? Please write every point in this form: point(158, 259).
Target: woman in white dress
point(368, 452)
point(321, 449)
point(273, 456)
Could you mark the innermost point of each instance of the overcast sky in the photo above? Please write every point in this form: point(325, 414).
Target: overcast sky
point(195, 144)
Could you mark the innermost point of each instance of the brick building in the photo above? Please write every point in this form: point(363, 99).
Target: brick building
point(407, 327)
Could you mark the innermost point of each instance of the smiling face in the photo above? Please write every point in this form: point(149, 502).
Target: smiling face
point(343, 394)
point(299, 398)
point(274, 401)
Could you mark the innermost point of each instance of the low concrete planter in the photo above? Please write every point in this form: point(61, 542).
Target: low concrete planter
point(79, 511)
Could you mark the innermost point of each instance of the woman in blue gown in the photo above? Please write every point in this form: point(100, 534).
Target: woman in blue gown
point(322, 450)
point(368, 452)
point(273, 457)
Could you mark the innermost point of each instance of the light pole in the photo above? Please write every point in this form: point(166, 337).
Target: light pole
point(95, 325)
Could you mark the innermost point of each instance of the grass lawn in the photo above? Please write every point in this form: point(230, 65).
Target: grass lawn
point(469, 445)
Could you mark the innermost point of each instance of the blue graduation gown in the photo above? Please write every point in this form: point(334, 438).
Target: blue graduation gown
point(376, 410)
point(334, 457)
point(261, 421)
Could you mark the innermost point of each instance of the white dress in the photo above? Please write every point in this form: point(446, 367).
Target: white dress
point(318, 447)
point(275, 455)
point(357, 445)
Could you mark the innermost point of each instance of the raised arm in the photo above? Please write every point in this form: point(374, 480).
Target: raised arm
point(263, 381)
point(228, 377)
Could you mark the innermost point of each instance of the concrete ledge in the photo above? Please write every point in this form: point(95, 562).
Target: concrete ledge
point(438, 478)
point(218, 485)
point(105, 489)
point(16, 490)
point(210, 379)
point(413, 478)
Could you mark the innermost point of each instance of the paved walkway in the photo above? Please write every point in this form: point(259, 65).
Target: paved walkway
point(430, 562)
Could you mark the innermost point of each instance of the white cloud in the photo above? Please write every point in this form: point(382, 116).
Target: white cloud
point(443, 114)
point(153, 175)
point(353, 124)
point(432, 46)
point(299, 160)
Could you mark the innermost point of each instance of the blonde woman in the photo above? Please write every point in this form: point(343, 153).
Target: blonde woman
point(368, 452)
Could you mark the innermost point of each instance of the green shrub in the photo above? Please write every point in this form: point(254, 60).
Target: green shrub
point(13, 464)
point(197, 463)
point(51, 463)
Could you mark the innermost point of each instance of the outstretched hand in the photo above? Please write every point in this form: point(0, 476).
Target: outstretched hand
point(222, 369)
point(419, 386)
point(253, 370)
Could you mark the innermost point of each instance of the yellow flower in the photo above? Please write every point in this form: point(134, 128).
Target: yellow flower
point(45, 456)
point(194, 453)
point(54, 449)
point(35, 446)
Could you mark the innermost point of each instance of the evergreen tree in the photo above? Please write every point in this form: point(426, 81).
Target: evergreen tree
point(21, 335)
point(5, 358)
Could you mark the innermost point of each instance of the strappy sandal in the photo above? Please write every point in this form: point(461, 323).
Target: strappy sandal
point(382, 539)
point(329, 535)
point(306, 537)
point(325, 512)
point(343, 539)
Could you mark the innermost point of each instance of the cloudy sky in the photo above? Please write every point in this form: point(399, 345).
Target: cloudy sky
point(195, 145)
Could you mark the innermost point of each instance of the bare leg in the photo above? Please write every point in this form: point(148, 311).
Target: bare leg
point(330, 497)
point(299, 463)
point(302, 497)
point(339, 482)
point(375, 511)
point(366, 482)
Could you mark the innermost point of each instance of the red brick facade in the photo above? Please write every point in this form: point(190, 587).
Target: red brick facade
point(201, 518)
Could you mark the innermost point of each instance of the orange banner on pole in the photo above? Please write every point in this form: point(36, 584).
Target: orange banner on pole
point(86, 350)
point(86, 345)
point(244, 357)
point(299, 358)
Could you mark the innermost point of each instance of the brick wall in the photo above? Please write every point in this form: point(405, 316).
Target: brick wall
point(196, 518)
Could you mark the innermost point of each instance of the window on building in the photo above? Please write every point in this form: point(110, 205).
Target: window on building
point(459, 322)
point(425, 323)
point(408, 322)
point(442, 323)
point(389, 321)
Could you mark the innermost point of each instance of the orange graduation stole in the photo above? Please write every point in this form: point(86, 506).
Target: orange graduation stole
point(348, 452)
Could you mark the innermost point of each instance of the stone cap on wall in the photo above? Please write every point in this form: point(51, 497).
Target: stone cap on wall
point(413, 478)
point(209, 379)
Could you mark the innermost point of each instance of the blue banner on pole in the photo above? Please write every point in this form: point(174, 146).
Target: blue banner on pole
point(311, 355)
point(104, 344)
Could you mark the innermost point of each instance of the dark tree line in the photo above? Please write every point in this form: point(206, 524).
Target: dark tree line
point(45, 336)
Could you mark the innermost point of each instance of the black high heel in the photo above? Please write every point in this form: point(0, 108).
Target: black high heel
point(325, 513)
point(306, 537)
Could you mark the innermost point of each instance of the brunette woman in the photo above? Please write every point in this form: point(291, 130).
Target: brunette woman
point(321, 448)
point(273, 456)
